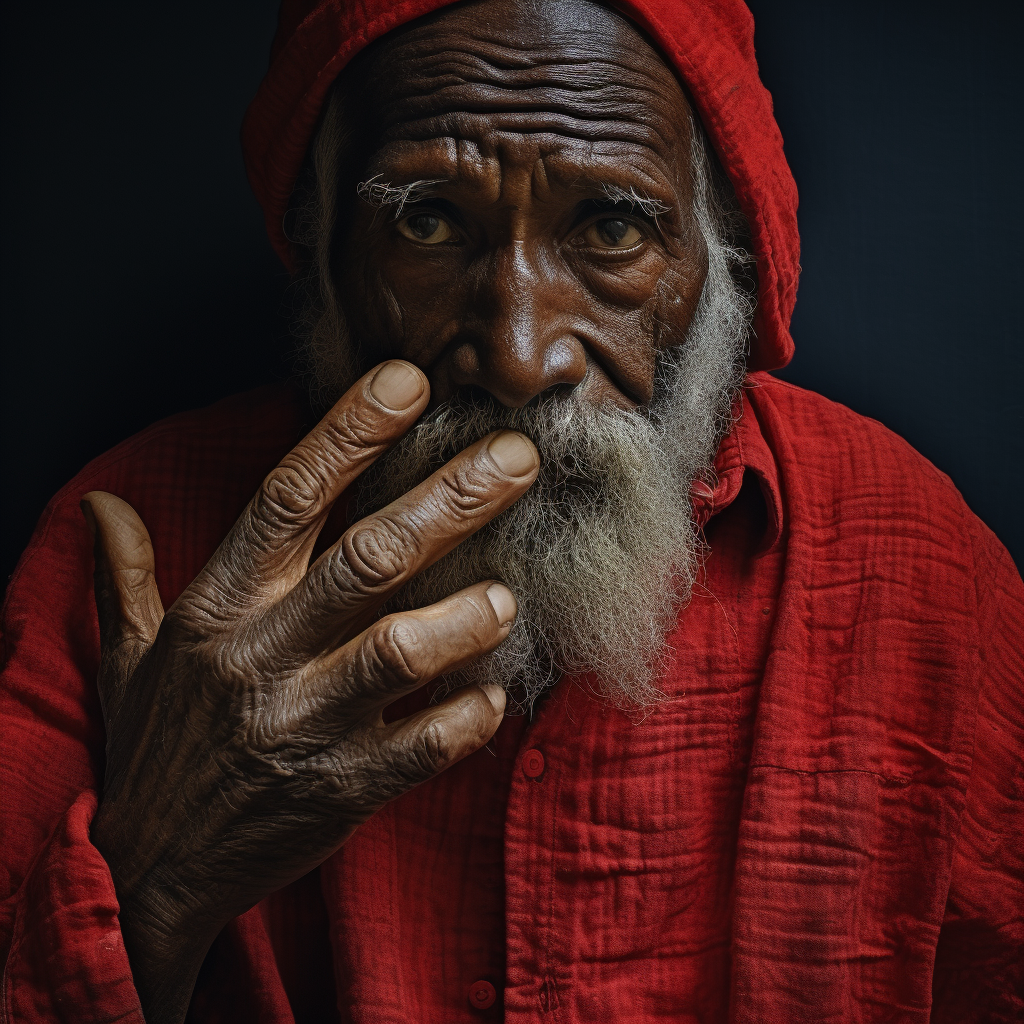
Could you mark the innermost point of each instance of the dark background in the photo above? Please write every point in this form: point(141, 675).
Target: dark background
point(137, 280)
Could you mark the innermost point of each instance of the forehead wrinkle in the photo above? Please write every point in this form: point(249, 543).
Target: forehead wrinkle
point(630, 115)
point(543, 55)
point(611, 101)
point(466, 77)
point(435, 69)
point(481, 166)
point(455, 161)
point(425, 74)
point(483, 129)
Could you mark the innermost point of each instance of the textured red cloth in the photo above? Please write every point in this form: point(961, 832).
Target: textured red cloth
point(710, 43)
point(824, 824)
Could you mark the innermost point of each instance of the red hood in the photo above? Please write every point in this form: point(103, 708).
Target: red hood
point(710, 43)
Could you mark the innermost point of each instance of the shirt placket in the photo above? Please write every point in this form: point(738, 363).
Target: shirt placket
point(534, 990)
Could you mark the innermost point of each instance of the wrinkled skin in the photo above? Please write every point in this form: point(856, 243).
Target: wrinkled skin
point(522, 112)
point(245, 740)
point(245, 735)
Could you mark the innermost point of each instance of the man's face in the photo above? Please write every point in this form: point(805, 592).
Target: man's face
point(553, 246)
point(521, 210)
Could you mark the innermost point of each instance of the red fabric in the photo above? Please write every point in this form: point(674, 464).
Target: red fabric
point(710, 43)
point(823, 825)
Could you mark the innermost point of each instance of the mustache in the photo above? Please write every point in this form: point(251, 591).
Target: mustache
point(552, 421)
point(599, 552)
point(602, 551)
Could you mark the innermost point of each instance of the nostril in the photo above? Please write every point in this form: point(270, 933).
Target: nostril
point(517, 356)
point(562, 390)
point(466, 362)
point(565, 363)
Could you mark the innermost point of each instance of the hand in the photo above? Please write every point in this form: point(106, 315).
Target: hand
point(245, 741)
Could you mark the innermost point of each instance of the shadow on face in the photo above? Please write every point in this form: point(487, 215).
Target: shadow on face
point(517, 217)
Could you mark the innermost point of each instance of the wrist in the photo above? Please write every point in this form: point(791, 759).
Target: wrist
point(165, 963)
point(166, 934)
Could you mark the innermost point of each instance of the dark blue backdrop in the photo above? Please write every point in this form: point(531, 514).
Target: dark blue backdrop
point(137, 280)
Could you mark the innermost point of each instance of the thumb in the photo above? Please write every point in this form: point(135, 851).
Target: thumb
point(127, 599)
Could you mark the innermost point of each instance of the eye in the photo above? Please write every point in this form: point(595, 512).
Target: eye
point(612, 233)
point(426, 228)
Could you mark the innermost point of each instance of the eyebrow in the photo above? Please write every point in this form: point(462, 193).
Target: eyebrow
point(383, 193)
point(634, 198)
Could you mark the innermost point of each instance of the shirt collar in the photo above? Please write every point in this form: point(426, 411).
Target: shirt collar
point(743, 450)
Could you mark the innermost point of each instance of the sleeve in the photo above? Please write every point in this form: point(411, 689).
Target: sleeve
point(66, 960)
point(59, 935)
point(979, 966)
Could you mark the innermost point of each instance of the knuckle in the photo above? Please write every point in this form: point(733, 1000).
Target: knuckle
point(208, 608)
point(354, 432)
point(263, 741)
point(229, 668)
point(464, 490)
point(395, 650)
point(275, 737)
point(379, 551)
point(432, 752)
point(290, 496)
point(416, 760)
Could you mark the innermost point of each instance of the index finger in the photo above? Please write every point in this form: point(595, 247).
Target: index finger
point(268, 549)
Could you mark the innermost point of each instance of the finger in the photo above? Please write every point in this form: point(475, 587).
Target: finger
point(421, 746)
point(268, 550)
point(376, 556)
point(402, 652)
point(127, 599)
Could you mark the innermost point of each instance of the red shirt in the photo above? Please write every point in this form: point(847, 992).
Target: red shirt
point(823, 824)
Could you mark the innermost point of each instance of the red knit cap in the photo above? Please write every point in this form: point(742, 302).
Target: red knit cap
point(710, 43)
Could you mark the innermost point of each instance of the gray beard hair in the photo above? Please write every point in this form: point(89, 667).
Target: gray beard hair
point(602, 551)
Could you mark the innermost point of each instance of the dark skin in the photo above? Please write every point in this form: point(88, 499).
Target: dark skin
point(518, 274)
point(245, 738)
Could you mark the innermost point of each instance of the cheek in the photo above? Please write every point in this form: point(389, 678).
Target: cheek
point(656, 295)
point(398, 307)
point(621, 314)
point(639, 309)
point(626, 286)
point(675, 303)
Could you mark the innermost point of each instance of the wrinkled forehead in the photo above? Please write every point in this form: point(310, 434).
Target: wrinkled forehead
point(572, 69)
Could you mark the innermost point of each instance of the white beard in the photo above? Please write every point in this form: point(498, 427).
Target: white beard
point(602, 550)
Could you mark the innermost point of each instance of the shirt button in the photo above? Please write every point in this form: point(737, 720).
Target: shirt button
point(533, 764)
point(482, 995)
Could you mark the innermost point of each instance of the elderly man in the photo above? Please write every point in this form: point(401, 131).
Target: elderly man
point(769, 761)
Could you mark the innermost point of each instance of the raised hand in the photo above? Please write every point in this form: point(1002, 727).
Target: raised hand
point(245, 741)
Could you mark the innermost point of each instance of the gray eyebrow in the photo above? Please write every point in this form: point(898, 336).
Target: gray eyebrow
point(634, 197)
point(383, 193)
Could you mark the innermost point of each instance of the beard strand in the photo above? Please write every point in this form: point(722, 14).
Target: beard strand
point(602, 551)
point(601, 540)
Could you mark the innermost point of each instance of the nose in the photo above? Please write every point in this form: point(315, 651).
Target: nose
point(517, 338)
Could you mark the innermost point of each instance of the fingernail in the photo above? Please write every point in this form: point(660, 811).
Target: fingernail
point(513, 453)
point(503, 602)
point(495, 694)
point(396, 386)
